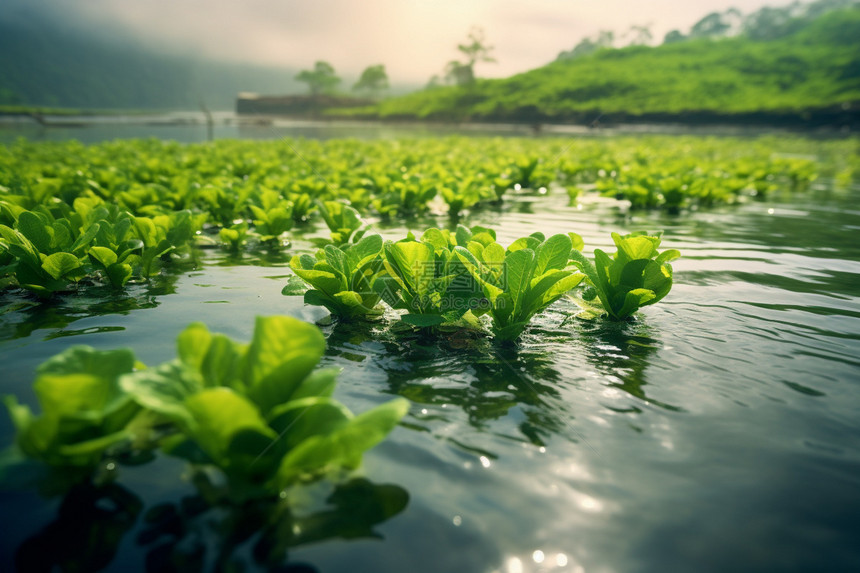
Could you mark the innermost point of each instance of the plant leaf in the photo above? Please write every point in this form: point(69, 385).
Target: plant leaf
point(103, 255)
point(343, 447)
point(192, 345)
point(216, 416)
point(519, 266)
point(36, 230)
point(349, 298)
point(222, 365)
point(282, 352)
point(319, 383)
point(298, 420)
point(59, 265)
point(436, 238)
point(553, 253)
point(164, 389)
point(92, 377)
point(369, 246)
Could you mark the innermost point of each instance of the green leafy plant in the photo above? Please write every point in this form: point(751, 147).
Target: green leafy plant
point(521, 281)
point(164, 234)
point(422, 279)
point(531, 173)
point(343, 221)
point(223, 202)
point(303, 205)
point(404, 198)
point(48, 254)
point(635, 276)
point(462, 235)
point(259, 412)
point(85, 412)
point(343, 279)
point(464, 191)
point(273, 216)
point(234, 236)
point(116, 248)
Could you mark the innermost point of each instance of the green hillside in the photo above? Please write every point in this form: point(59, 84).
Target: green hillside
point(815, 66)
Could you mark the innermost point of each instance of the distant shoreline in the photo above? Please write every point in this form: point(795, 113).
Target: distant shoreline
point(830, 120)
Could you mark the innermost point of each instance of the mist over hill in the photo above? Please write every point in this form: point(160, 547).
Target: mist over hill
point(46, 64)
point(788, 58)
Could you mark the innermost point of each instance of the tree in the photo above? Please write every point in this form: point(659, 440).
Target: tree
point(604, 39)
point(320, 80)
point(816, 9)
point(459, 73)
point(771, 23)
point(641, 35)
point(373, 80)
point(673, 37)
point(475, 50)
point(433, 83)
point(716, 24)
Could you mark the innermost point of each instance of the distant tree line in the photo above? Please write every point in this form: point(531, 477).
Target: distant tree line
point(322, 80)
point(768, 23)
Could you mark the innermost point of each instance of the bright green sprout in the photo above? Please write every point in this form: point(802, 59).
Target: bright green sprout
point(522, 281)
point(343, 280)
point(635, 276)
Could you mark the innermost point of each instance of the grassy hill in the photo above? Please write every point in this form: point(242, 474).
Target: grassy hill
point(813, 70)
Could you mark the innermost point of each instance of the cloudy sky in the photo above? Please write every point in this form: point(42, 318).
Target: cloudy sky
point(413, 38)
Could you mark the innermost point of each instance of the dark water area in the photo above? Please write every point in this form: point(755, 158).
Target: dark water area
point(719, 431)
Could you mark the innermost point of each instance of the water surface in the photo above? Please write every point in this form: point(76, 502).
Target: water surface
point(719, 431)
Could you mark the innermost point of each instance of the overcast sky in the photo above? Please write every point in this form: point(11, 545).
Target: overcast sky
point(413, 38)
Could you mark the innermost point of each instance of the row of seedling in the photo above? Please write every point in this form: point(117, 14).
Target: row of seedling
point(449, 277)
point(44, 250)
point(225, 179)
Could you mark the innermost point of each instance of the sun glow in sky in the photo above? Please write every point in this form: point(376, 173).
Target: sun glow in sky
point(413, 38)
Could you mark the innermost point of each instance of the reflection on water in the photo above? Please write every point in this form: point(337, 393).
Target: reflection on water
point(197, 535)
point(257, 257)
point(83, 331)
point(202, 532)
point(462, 369)
point(22, 315)
point(84, 536)
point(622, 352)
